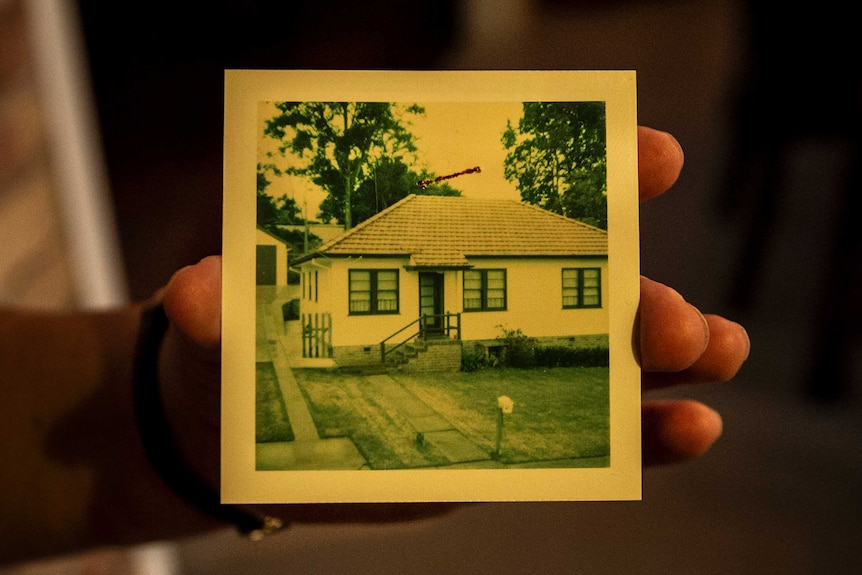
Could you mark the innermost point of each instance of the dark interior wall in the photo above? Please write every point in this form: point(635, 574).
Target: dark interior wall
point(157, 72)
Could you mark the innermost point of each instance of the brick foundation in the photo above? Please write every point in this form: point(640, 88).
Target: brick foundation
point(356, 355)
point(442, 356)
point(445, 355)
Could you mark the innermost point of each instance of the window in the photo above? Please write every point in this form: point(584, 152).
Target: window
point(310, 283)
point(373, 291)
point(582, 287)
point(484, 290)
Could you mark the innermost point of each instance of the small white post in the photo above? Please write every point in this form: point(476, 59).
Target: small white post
point(504, 405)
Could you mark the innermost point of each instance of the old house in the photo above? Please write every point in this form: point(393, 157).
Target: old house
point(454, 270)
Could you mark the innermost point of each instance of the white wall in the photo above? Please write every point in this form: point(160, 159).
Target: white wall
point(534, 301)
point(370, 329)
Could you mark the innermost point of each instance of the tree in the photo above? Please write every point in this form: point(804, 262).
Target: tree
point(557, 157)
point(274, 212)
point(390, 181)
point(343, 147)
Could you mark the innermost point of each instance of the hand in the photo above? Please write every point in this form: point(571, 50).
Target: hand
point(676, 344)
point(190, 363)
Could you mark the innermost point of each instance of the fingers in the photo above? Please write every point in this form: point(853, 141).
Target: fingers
point(674, 342)
point(660, 160)
point(677, 430)
point(677, 344)
point(672, 333)
point(192, 301)
point(727, 350)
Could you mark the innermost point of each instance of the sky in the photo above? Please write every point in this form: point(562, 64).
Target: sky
point(450, 137)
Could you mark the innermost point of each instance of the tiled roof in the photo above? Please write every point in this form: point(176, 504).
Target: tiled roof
point(447, 231)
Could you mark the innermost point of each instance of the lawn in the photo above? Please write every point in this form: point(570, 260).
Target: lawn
point(560, 414)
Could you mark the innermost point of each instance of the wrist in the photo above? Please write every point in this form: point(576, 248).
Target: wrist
point(185, 457)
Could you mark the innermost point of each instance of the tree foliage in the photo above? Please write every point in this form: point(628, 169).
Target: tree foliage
point(390, 180)
point(274, 212)
point(557, 157)
point(355, 151)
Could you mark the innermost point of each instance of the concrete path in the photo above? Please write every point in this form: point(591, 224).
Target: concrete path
point(307, 450)
point(437, 430)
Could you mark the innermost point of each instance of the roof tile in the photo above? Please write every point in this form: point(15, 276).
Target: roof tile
point(447, 231)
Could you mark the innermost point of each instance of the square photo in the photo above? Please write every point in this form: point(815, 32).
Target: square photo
point(431, 296)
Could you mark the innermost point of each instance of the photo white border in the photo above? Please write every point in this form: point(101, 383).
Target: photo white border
point(240, 481)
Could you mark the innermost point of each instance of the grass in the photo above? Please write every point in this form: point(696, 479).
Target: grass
point(271, 420)
point(560, 414)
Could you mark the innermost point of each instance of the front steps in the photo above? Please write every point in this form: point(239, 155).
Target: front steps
point(424, 355)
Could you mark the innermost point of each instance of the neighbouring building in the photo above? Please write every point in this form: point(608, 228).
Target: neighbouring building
point(458, 271)
point(271, 262)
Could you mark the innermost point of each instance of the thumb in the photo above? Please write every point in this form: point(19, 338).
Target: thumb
point(192, 301)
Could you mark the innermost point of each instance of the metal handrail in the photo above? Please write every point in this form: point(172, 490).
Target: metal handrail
point(421, 320)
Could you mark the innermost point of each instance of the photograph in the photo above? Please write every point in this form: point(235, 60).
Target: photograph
point(432, 286)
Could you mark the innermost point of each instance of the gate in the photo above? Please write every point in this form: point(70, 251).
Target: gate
point(316, 335)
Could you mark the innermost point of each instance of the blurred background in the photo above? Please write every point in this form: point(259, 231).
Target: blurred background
point(112, 176)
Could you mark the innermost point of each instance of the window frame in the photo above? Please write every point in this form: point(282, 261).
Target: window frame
point(373, 291)
point(483, 290)
point(580, 287)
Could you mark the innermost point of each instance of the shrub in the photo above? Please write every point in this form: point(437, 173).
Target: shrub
point(473, 360)
point(518, 348)
point(561, 356)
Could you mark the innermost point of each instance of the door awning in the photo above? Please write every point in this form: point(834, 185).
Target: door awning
point(438, 260)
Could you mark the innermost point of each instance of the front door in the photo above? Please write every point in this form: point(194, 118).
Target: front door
point(431, 302)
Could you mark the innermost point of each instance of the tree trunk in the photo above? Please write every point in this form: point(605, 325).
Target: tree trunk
point(348, 213)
